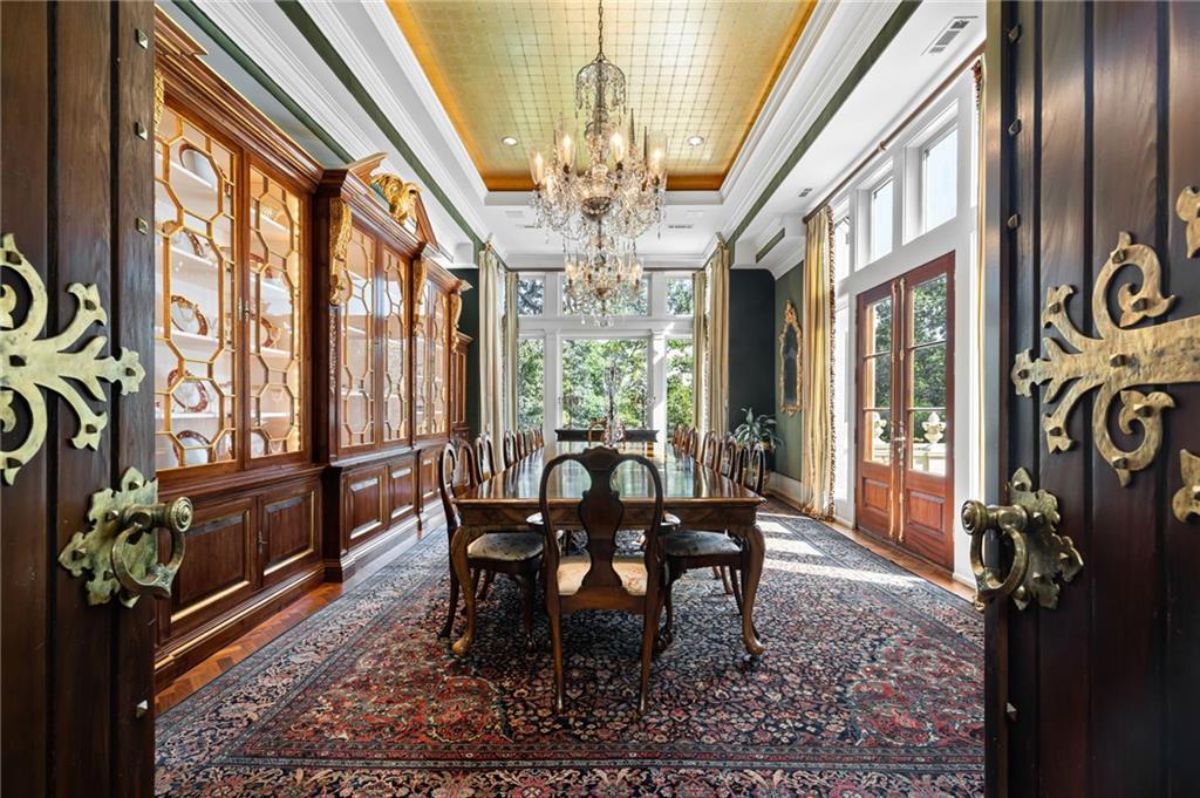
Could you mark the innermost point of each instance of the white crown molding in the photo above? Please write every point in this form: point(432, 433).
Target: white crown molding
point(813, 74)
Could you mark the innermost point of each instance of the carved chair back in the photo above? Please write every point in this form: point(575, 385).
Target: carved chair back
point(728, 458)
point(710, 451)
point(509, 448)
point(691, 446)
point(754, 474)
point(455, 469)
point(485, 456)
point(600, 515)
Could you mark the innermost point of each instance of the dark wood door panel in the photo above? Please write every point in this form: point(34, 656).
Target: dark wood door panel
point(221, 565)
point(289, 529)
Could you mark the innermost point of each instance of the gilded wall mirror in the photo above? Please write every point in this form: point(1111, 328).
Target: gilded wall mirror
point(789, 356)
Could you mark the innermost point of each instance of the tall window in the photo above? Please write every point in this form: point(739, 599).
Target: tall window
point(939, 180)
point(531, 296)
point(680, 393)
point(679, 296)
point(531, 371)
point(595, 368)
point(841, 247)
point(882, 198)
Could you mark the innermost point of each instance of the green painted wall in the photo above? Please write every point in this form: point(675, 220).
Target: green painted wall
point(788, 459)
point(751, 297)
point(469, 323)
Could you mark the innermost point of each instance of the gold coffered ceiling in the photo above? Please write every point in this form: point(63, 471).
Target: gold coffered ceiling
point(507, 68)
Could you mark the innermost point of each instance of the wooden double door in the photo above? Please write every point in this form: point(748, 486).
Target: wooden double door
point(905, 406)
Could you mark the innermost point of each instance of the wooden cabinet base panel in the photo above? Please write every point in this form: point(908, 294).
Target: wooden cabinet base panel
point(392, 541)
point(180, 654)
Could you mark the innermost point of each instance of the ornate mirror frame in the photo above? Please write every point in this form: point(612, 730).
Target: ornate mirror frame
point(791, 322)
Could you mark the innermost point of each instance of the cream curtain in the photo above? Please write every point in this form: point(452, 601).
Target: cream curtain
point(491, 346)
point(699, 358)
point(717, 343)
point(510, 351)
point(816, 388)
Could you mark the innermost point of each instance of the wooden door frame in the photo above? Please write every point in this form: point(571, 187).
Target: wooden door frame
point(899, 289)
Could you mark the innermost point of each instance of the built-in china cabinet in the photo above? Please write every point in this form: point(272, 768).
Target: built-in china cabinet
point(305, 357)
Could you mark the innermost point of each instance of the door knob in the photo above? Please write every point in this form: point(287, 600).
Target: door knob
point(1039, 555)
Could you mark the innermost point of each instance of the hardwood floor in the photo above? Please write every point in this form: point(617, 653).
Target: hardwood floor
point(327, 593)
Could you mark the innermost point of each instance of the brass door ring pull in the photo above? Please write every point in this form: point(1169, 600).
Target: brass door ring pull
point(1039, 554)
point(138, 568)
point(977, 519)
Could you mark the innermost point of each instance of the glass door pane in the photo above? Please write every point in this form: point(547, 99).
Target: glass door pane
point(276, 317)
point(877, 382)
point(395, 353)
point(196, 335)
point(358, 334)
point(680, 375)
point(531, 372)
point(928, 417)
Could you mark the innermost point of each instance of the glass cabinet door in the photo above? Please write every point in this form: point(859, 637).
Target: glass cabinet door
point(196, 331)
point(421, 362)
point(357, 344)
point(439, 385)
point(395, 355)
point(276, 327)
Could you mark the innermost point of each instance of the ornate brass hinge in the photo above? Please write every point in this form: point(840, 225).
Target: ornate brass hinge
point(57, 363)
point(119, 552)
point(1029, 527)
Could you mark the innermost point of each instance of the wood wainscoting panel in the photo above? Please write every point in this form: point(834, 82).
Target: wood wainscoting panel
point(221, 563)
point(364, 496)
point(289, 533)
point(402, 489)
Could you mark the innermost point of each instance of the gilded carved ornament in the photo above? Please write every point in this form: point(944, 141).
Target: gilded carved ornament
point(59, 363)
point(340, 219)
point(420, 275)
point(1187, 206)
point(401, 195)
point(1186, 502)
point(160, 96)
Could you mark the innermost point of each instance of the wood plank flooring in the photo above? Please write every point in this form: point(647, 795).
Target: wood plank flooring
point(327, 593)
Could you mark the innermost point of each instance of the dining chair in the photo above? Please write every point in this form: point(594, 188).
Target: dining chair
point(710, 450)
point(485, 456)
point(689, 549)
point(601, 577)
point(730, 459)
point(529, 445)
point(517, 554)
point(691, 446)
point(508, 448)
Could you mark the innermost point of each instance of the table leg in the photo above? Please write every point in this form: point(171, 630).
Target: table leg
point(755, 551)
point(462, 571)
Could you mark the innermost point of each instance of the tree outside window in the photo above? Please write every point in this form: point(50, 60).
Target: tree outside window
point(531, 296)
point(680, 393)
point(679, 296)
point(531, 370)
point(585, 370)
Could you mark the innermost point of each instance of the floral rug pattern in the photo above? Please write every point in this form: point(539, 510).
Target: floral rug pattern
point(872, 685)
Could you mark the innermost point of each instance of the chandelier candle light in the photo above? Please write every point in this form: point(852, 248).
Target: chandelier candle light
point(602, 209)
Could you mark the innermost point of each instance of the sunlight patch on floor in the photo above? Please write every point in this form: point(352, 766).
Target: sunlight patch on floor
point(848, 574)
point(791, 546)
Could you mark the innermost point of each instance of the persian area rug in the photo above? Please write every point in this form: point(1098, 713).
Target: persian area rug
point(872, 685)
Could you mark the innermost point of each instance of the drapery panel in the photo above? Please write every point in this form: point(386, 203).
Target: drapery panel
point(816, 389)
point(491, 346)
point(699, 356)
point(511, 331)
point(717, 346)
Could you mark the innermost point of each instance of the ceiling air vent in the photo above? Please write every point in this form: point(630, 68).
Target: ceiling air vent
point(948, 34)
point(805, 192)
point(680, 226)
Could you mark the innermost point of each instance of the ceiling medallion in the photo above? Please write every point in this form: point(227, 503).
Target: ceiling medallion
point(601, 209)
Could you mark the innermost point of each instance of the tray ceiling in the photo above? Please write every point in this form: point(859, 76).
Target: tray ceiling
point(699, 68)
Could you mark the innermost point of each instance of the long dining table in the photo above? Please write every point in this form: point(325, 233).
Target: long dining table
point(699, 496)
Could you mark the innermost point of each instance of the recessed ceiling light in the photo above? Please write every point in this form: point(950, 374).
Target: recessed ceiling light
point(509, 141)
point(695, 141)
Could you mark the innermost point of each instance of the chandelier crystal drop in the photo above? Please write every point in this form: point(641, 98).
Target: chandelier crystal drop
point(603, 206)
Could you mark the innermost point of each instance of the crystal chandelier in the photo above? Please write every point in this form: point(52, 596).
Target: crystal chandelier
point(622, 186)
point(602, 273)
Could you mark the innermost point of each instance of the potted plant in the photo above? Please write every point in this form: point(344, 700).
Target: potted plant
point(758, 428)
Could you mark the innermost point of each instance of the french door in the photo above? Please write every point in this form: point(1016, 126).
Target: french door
point(906, 410)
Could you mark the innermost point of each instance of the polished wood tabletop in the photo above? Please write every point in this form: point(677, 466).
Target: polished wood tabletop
point(684, 480)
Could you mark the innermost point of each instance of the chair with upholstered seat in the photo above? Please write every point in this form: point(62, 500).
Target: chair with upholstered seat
point(517, 554)
point(508, 448)
point(710, 450)
point(485, 456)
point(601, 577)
point(689, 549)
